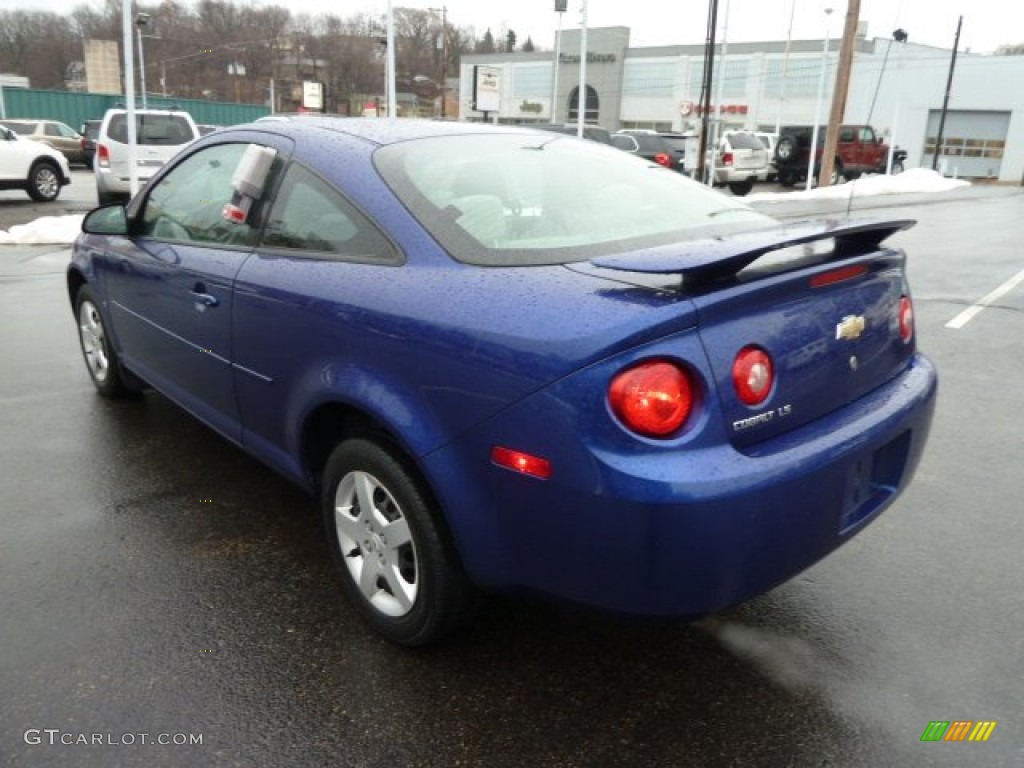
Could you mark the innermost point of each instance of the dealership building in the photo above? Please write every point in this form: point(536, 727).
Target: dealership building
point(898, 87)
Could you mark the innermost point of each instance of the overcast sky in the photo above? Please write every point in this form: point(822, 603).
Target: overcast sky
point(987, 23)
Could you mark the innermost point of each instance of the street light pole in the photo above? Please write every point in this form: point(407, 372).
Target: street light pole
point(817, 108)
point(560, 8)
point(392, 77)
point(581, 96)
point(444, 54)
point(141, 20)
point(900, 36)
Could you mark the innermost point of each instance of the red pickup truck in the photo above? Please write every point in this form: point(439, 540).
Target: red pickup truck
point(859, 150)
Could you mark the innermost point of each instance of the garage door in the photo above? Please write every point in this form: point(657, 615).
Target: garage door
point(972, 143)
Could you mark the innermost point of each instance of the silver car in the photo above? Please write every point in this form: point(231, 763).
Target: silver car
point(740, 161)
point(159, 135)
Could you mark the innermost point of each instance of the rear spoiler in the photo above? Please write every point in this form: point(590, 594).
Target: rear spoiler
point(714, 258)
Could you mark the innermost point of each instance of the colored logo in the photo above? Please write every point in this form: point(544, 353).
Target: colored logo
point(851, 328)
point(958, 730)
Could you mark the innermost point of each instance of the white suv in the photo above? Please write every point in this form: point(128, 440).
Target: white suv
point(159, 135)
point(741, 160)
point(36, 168)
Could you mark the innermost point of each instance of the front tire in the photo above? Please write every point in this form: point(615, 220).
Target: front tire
point(389, 545)
point(100, 358)
point(43, 182)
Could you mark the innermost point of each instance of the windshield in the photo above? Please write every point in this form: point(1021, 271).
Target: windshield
point(522, 199)
point(24, 129)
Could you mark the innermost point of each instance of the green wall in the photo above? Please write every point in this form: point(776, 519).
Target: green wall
point(75, 108)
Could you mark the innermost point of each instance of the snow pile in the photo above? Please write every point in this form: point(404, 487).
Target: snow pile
point(916, 180)
point(49, 230)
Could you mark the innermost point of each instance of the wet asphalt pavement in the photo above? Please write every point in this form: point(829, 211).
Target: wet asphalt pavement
point(155, 580)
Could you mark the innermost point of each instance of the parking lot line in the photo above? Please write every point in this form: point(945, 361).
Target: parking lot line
point(974, 310)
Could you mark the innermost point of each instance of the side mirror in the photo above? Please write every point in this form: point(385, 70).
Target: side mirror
point(108, 220)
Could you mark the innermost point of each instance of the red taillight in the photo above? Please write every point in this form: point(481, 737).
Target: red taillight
point(102, 156)
point(753, 375)
point(906, 319)
point(518, 461)
point(727, 158)
point(662, 159)
point(654, 398)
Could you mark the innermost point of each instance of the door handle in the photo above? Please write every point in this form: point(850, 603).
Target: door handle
point(202, 298)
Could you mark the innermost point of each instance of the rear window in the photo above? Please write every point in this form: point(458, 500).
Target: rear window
point(650, 143)
point(152, 130)
point(745, 141)
point(678, 144)
point(527, 199)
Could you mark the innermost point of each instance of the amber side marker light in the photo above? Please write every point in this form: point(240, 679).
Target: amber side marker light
point(525, 463)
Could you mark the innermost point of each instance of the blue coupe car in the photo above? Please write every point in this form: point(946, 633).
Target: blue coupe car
point(510, 360)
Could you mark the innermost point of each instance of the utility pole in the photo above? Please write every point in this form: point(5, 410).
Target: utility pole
point(839, 95)
point(945, 101)
point(705, 88)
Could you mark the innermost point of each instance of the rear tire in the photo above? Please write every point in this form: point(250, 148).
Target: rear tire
point(43, 182)
point(107, 198)
point(390, 547)
point(741, 188)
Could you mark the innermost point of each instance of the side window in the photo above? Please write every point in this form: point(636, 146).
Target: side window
point(867, 135)
point(311, 216)
point(52, 129)
point(846, 135)
point(187, 204)
point(67, 132)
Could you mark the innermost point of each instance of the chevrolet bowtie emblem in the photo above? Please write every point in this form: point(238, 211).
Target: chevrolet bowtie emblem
point(851, 328)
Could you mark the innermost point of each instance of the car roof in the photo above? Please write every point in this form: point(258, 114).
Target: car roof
point(378, 130)
point(140, 111)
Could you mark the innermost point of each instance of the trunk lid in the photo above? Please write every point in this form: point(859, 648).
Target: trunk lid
point(829, 319)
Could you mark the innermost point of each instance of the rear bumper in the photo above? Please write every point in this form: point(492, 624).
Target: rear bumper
point(736, 175)
point(113, 182)
point(686, 533)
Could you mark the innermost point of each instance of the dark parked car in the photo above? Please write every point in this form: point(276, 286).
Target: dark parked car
point(507, 360)
point(90, 130)
point(592, 132)
point(859, 150)
point(649, 146)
